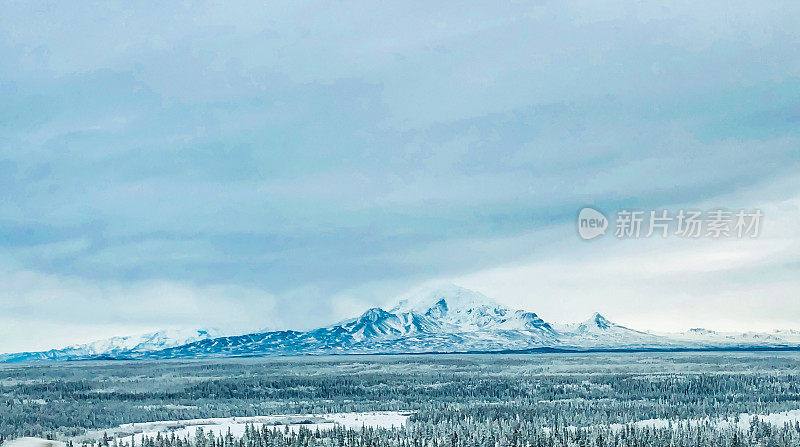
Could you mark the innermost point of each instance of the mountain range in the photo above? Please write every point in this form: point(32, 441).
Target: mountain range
point(114, 347)
point(448, 319)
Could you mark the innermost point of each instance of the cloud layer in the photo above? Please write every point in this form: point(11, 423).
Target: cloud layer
point(305, 159)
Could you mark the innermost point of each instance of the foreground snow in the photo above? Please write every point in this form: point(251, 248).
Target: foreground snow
point(742, 422)
point(33, 442)
point(236, 425)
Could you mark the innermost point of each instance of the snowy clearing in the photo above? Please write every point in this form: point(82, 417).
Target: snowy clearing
point(32, 442)
point(743, 422)
point(236, 425)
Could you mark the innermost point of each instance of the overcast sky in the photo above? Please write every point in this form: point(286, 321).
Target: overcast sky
point(285, 165)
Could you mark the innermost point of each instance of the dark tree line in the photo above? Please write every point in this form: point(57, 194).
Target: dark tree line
point(485, 401)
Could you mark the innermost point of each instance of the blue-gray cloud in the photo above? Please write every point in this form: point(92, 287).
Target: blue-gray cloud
point(317, 148)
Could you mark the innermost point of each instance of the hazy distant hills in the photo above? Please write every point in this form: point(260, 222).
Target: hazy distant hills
point(442, 320)
point(114, 347)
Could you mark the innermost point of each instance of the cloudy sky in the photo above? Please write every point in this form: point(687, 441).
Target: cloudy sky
point(252, 165)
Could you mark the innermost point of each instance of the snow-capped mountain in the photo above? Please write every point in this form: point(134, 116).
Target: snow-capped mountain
point(597, 332)
point(115, 347)
point(456, 309)
point(445, 319)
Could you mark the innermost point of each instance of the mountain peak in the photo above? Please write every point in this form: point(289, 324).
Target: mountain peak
point(374, 314)
point(455, 309)
point(595, 322)
point(442, 299)
point(601, 321)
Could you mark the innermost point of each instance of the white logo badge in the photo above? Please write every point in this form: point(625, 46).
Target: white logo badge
point(591, 223)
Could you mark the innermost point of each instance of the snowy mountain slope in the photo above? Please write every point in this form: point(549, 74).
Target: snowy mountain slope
point(708, 338)
point(598, 332)
point(437, 320)
point(117, 346)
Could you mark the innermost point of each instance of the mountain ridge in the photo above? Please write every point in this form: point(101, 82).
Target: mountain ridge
point(119, 345)
point(439, 320)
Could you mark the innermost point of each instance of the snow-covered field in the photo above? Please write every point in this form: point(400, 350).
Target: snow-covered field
point(742, 422)
point(33, 442)
point(236, 425)
point(384, 419)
